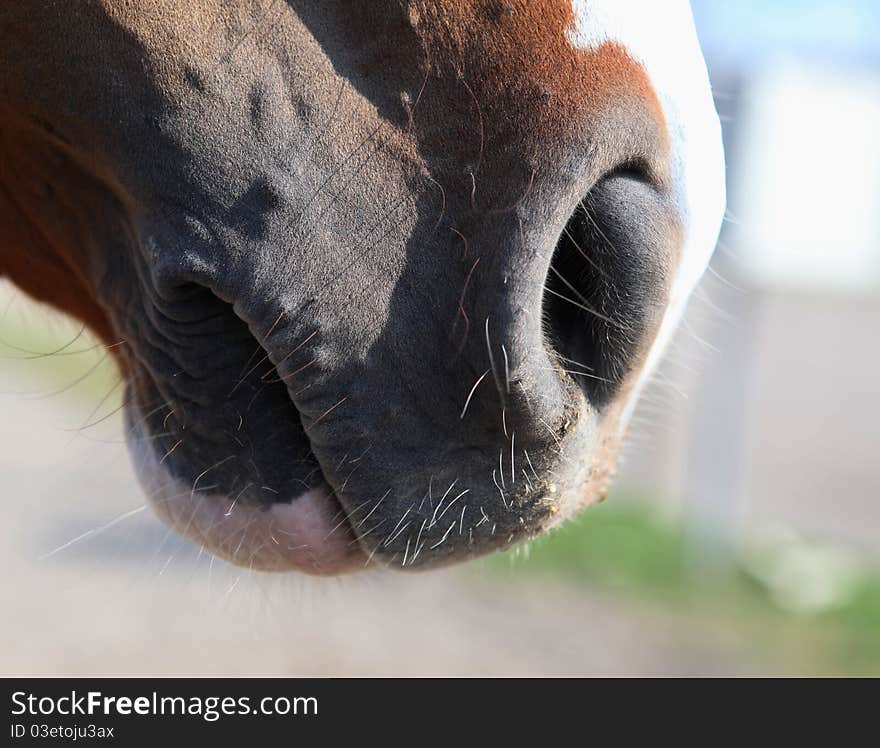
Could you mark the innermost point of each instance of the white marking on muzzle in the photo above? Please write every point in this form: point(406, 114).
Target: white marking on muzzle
point(661, 37)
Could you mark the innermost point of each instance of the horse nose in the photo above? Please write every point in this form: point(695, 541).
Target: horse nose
point(607, 286)
point(482, 410)
point(573, 312)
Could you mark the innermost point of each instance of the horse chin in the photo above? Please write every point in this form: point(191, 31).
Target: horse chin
point(310, 533)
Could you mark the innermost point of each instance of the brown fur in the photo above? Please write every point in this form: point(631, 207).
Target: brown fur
point(522, 66)
point(50, 212)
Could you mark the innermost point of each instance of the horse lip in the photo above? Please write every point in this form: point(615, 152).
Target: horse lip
point(299, 535)
point(310, 533)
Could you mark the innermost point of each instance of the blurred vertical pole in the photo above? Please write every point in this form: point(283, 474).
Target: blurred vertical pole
point(716, 453)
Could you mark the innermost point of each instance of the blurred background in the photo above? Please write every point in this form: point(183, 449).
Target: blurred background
point(742, 536)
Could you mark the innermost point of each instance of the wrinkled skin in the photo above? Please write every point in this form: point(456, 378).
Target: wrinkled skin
point(383, 278)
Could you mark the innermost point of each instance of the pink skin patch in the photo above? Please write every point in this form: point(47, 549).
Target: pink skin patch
point(310, 534)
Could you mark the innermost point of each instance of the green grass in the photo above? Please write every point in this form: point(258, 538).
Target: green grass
point(615, 546)
point(624, 549)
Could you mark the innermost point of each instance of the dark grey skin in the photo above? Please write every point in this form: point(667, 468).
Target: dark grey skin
point(325, 235)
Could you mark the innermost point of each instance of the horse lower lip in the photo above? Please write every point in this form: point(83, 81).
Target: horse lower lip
point(309, 533)
point(303, 529)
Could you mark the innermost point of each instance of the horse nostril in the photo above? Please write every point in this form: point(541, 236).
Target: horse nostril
point(605, 289)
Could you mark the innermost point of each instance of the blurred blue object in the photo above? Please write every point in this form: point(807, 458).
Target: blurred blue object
point(742, 34)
